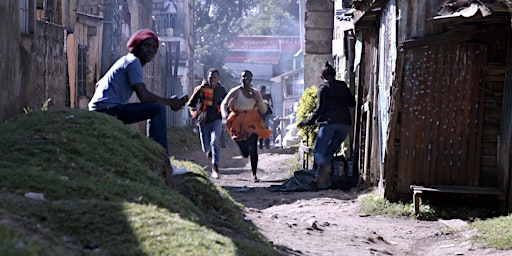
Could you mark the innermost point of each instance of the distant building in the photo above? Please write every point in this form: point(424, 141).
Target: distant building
point(176, 49)
point(343, 37)
point(271, 59)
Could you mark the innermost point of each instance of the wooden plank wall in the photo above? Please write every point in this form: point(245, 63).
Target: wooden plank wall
point(494, 114)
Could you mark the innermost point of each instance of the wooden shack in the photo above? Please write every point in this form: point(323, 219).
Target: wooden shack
point(435, 80)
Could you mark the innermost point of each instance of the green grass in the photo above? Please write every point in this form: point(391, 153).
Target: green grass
point(494, 233)
point(293, 163)
point(103, 195)
point(376, 205)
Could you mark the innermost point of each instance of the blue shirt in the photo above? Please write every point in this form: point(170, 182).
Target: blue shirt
point(116, 86)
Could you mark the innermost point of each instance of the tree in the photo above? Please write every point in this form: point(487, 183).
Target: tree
point(217, 22)
point(270, 17)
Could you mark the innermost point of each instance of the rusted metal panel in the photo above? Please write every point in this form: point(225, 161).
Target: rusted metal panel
point(415, 19)
point(436, 132)
point(420, 18)
point(441, 116)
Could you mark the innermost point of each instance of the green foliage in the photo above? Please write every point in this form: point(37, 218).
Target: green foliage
point(492, 233)
point(15, 243)
point(378, 205)
point(216, 22)
point(272, 18)
point(44, 107)
point(307, 104)
point(495, 233)
point(98, 188)
point(46, 104)
point(293, 163)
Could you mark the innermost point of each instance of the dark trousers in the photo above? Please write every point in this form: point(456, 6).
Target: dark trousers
point(248, 148)
point(264, 142)
point(153, 112)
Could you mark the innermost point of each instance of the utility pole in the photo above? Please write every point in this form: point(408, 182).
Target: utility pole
point(107, 52)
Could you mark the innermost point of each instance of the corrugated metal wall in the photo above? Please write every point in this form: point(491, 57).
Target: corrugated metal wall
point(446, 117)
point(415, 18)
point(441, 116)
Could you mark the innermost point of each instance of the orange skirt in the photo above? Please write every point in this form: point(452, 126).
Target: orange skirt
point(241, 124)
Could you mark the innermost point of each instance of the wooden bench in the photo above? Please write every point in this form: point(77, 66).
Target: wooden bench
point(469, 190)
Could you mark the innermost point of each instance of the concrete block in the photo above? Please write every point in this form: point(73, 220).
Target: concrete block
point(320, 5)
point(319, 20)
point(318, 47)
point(313, 64)
point(318, 34)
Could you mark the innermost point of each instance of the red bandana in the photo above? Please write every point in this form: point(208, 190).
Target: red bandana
point(140, 36)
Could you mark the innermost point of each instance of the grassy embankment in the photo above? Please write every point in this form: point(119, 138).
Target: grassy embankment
point(74, 182)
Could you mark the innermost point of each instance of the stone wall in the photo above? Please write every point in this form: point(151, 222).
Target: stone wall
point(33, 68)
point(319, 24)
point(51, 66)
point(11, 60)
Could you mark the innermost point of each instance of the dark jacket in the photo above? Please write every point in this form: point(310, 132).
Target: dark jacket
point(208, 105)
point(333, 100)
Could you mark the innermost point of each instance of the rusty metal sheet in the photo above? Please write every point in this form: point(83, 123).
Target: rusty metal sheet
point(441, 116)
point(414, 23)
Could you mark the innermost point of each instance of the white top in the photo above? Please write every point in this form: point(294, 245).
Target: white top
point(235, 99)
point(243, 103)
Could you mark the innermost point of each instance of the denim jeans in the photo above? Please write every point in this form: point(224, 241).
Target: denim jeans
point(153, 112)
point(210, 134)
point(328, 141)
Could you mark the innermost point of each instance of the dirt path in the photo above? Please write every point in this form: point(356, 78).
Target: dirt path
point(328, 222)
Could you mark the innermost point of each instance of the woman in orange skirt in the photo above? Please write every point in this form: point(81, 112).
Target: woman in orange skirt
point(241, 110)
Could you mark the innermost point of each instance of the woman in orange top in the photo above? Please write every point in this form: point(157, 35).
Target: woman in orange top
point(240, 110)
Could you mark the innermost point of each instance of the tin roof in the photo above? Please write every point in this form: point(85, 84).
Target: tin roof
point(470, 8)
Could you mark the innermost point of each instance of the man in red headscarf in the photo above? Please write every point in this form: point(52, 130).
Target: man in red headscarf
point(123, 79)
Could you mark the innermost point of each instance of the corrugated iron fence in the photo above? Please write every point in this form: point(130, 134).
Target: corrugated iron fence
point(441, 115)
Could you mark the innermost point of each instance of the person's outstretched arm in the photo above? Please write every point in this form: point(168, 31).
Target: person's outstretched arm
point(146, 96)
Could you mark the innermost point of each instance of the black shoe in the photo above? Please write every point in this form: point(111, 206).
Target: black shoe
point(314, 187)
point(261, 146)
point(325, 172)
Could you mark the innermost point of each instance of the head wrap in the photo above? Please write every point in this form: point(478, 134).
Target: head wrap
point(140, 36)
point(328, 71)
